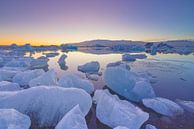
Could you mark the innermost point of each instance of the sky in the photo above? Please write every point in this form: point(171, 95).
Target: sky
point(52, 22)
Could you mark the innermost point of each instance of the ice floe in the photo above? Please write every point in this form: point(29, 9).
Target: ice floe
point(52, 54)
point(62, 59)
point(7, 74)
point(23, 78)
point(163, 106)
point(128, 84)
point(9, 86)
point(119, 63)
point(128, 57)
point(40, 62)
point(93, 77)
point(12, 119)
point(74, 119)
point(91, 67)
point(114, 112)
point(187, 105)
point(121, 127)
point(133, 57)
point(48, 78)
point(72, 80)
point(119, 78)
point(1, 62)
point(153, 50)
point(20, 62)
point(142, 89)
point(46, 105)
point(149, 126)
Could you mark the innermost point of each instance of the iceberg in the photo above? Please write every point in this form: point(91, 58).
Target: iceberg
point(74, 119)
point(114, 112)
point(119, 63)
point(1, 62)
point(149, 126)
point(130, 57)
point(63, 66)
point(71, 80)
point(7, 74)
point(93, 77)
point(46, 105)
point(121, 127)
point(128, 84)
point(52, 54)
point(119, 78)
point(48, 78)
point(163, 106)
point(68, 47)
point(40, 62)
point(20, 62)
point(62, 59)
point(142, 89)
point(9, 86)
point(12, 119)
point(153, 50)
point(91, 67)
point(23, 78)
point(187, 105)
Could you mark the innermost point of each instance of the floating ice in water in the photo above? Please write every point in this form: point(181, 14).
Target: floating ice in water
point(142, 89)
point(187, 105)
point(130, 57)
point(93, 77)
point(48, 78)
point(127, 83)
point(6, 74)
point(12, 119)
point(153, 50)
point(114, 112)
point(1, 62)
point(23, 78)
point(62, 59)
point(121, 127)
point(72, 80)
point(118, 78)
point(91, 67)
point(63, 66)
point(119, 63)
point(66, 47)
point(163, 106)
point(20, 62)
point(41, 62)
point(46, 105)
point(74, 119)
point(9, 86)
point(52, 54)
point(139, 56)
point(149, 126)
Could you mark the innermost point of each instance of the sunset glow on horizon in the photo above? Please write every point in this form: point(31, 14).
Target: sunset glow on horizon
point(53, 22)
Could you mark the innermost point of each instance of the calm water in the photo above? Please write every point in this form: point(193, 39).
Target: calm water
point(174, 74)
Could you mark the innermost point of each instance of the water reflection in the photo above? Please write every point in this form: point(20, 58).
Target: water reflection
point(174, 73)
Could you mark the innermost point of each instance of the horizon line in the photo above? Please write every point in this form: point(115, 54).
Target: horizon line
point(56, 44)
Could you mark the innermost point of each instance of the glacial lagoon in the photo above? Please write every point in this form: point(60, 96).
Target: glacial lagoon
point(169, 74)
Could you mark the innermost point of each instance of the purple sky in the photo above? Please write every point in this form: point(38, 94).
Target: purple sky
point(59, 21)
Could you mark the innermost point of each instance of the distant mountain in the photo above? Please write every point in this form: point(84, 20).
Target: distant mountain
point(109, 43)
